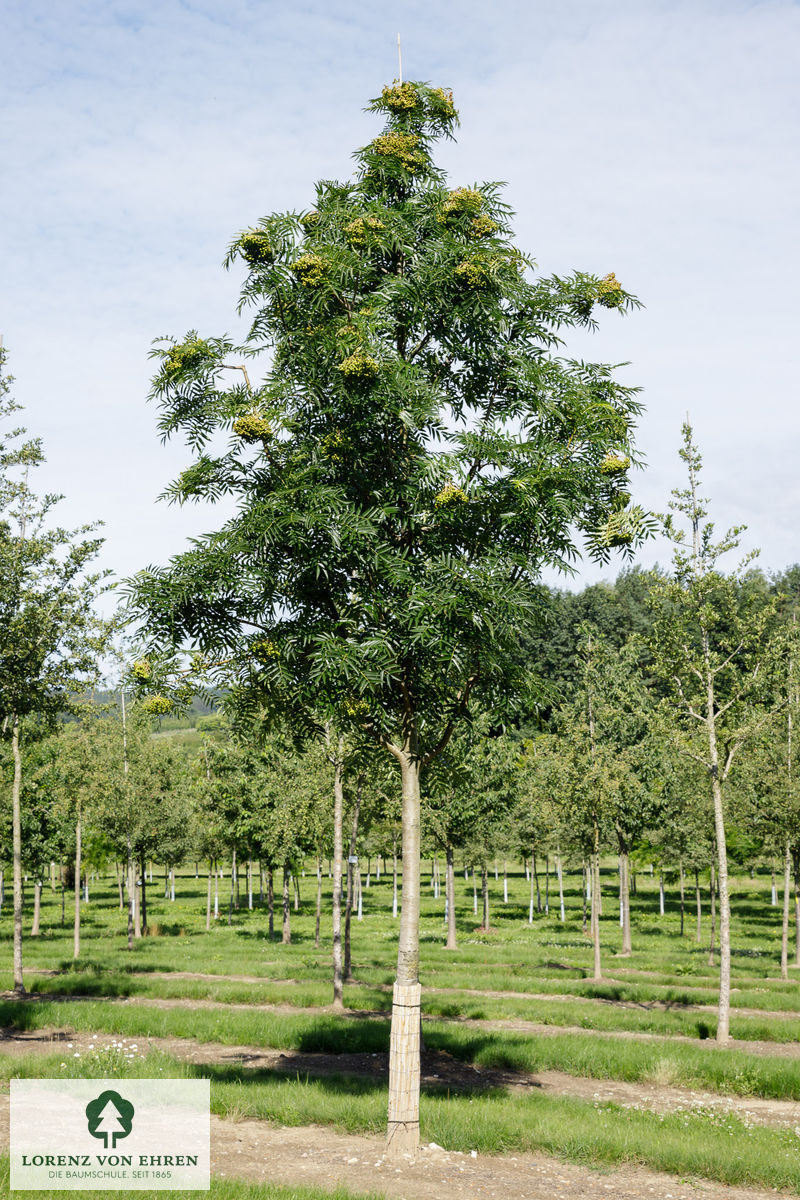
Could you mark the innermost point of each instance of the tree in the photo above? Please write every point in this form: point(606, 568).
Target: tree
point(50, 639)
point(417, 452)
point(716, 649)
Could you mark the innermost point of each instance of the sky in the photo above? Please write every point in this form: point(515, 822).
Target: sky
point(654, 138)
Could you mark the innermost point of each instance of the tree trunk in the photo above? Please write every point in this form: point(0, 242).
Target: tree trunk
point(595, 869)
point(536, 877)
point(296, 885)
point(76, 941)
point(119, 886)
point(560, 870)
point(787, 882)
point(584, 890)
point(394, 877)
point(16, 821)
point(318, 914)
point(683, 897)
point(474, 892)
point(37, 907)
point(625, 899)
point(142, 911)
point(713, 897)
point(485, 895)
point(661, 907)
point(338, 824)
point(505, 882)
point(208, 900)
point(796, 864)
point(348, 908)
point(250, 885)
point(450, 894)
point(699, 901)
point(232, 893)
point(530, 900)
point(216, 891)
point(404, 1049)
point(286, 935)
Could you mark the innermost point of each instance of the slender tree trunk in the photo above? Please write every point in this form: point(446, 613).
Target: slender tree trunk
point(625, 899)
point(787, 887)
point(683, 896)
point(250, 884)
point(661, 907)
point(584, 890)
point(547, 884)
point(530, 899)
point(796, 865)
point(560, 869)
point(318, 914)
point(595, 867)
point(208, 900)
point(394, 877)
point(216, 892)
point(404, 1050)
point(131, 878)
point(713, 897)
point(699, 902)
point(37, 907)
point(505, 882)
point(271, 902)
point(63, 892)
point(144, 896)
point(232, 892)
point(296, 884)
point(348, 909)
point(16, 836)
point(119, 886)
point(450, 894)
point(338, 825)
point(538, 892)
point(76, 940)
point(774, 890)
point(286, 935)
point(485, 895)
point(137, 906)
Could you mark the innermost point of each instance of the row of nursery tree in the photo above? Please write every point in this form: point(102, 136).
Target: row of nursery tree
point(406, 447)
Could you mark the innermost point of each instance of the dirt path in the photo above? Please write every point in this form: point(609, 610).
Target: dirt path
point(313, 1155)
point(439, 1069)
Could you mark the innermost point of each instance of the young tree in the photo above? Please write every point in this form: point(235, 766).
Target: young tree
point(715, 649)
point(50, 638)
point(416, 453)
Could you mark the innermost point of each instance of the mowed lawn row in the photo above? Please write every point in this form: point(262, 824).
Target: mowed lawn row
point(184, 983)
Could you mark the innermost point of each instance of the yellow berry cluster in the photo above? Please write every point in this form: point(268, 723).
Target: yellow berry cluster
point(609, 291)
point(615, 464)
point(450, 494)
point(442, 102)
point(310, 220)
point(405, 148)
point(263, 649)
point(359, 367)
point(156, 706)
point(255, 247)
point(362, 231)
point(141, 670)
point(310, 270)
point(252, 428)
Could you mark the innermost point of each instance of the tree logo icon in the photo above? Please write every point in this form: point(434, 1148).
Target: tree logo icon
point(109, 1117)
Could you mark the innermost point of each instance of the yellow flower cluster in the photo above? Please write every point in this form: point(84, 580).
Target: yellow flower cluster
point(334, 445)
point(609, 291)
point(156, 706)
point(450, 494)
point(442, 103)
point(473, 273)
point(482, 226)
point(263, 649)
point(356, 708)
point(402, 97)
point(310, 220)
point(404, 148)
point(141, 670)
point(618, 530)
point(255, 247)
point(252, 428)
point(362, 231)
point(310, 270)
point(615, 464)
point(359, 367)
point(188, 357)
point(463, 201)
